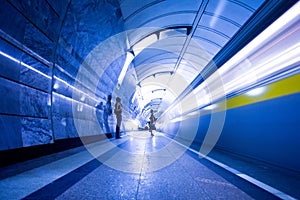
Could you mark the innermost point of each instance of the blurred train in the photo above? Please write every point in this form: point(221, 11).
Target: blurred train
point(251, 105)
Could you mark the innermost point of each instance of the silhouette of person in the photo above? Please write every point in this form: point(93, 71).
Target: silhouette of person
point(106, 112)
point(99, 107)
point(118, 113)
point(152, 119)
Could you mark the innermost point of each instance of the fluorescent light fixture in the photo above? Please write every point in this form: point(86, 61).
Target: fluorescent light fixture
point(129, 58)
point(69, 99)
point(55, 86)
point(24, 64)
point(74, 88)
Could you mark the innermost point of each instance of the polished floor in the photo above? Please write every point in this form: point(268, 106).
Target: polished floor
point(137, 166)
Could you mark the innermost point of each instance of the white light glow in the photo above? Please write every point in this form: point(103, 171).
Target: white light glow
point(49, 101)
point(24, 64)
point(147, 94)
point(262, 38)
point(274, 50)
point(74, 88)
point(9, 57)
point(82, 98)
point(129, 58)
point(132, 124)
point(211, 107)
point(79, 107)
point(217, 12)
point(56, 86)
point(256, 91)
point(140, 46)
point(285, 58)
point(154, 141)
point(69, 99)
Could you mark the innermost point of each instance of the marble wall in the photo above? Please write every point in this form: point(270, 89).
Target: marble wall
point(87, 25)
point(43, 45)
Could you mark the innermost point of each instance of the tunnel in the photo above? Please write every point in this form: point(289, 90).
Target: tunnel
point(221, 78)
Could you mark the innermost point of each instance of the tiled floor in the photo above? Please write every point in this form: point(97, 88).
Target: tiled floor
point(137, 166)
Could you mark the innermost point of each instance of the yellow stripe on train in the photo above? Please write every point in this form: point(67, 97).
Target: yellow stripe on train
point(279, 88)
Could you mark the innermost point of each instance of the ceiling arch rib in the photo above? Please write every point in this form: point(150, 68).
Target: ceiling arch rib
point(192, 58)
point(210, 46)
point(157, 58)
point(169, 17)
point(243, 4)
point(139, 10)
point(162, 49)
point(160, 14)
point(235, 11)
point(148, 9)
point(139, 36)
point(215, 31)
point(154, 74)
point(168, 64)
point(163, 65)
point(225, 19)
point(212, 25)
point(152, 69)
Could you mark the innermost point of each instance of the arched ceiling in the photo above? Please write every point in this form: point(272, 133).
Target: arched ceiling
point(176, 39)
point(176, 46)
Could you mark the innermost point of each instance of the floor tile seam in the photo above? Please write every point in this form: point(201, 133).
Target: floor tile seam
point(246, 177)
point(141, 172)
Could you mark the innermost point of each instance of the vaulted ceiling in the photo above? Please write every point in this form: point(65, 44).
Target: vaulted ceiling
point(173, 40)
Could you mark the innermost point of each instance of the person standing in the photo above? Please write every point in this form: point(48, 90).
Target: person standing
point(152, 122)
point(107, 111)
point(118, 113)
point(99, 114)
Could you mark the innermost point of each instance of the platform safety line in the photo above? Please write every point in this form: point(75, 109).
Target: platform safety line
point(250, 179)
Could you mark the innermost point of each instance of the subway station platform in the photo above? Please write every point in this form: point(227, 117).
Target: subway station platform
point(137, 166)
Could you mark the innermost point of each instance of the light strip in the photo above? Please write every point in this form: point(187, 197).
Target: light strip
point(24, 64)
point(129, 58)
point(286, 58)
point(260, 68)
point(41, 73)
point(74, 88)
point(71, 99)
